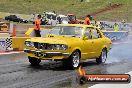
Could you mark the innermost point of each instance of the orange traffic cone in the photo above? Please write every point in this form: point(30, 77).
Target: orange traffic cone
point(81, 71)
point(14, 31)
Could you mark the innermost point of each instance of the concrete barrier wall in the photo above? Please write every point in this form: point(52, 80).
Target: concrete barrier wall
point(18, 42)
point(122, 26)
point(116, 35)
point(4, 34)
point(22, 28)
point(27, 26)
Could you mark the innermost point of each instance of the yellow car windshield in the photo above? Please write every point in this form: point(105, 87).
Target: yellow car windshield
point(67, 31)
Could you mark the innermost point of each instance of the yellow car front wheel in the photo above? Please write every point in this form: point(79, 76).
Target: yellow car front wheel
point(73, 61)
point(34, 61)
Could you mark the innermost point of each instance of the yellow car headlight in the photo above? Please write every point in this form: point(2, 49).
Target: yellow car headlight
point(59, 47)
point(29, 44)
point(64, 47)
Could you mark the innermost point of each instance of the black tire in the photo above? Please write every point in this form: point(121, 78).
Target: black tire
point(73, 61)
point(34, 61)
point(102, 57)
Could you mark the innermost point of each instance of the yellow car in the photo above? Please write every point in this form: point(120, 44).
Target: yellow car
point(69, 43)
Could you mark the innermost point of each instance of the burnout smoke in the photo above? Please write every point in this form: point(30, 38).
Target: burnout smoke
point(121, 51)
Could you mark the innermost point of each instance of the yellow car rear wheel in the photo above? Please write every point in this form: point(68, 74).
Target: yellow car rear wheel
point(102, 58)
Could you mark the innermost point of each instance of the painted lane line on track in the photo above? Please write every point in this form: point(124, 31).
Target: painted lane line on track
point(8, 53)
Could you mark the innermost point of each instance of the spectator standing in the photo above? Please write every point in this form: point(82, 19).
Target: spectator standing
point(87, 20)
point(37, 25)
point(116, 27)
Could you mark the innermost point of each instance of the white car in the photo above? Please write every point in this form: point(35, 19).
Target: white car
point(62, 19)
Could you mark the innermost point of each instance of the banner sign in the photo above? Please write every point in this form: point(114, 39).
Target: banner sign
point(2, 43)
point(4, 27)
point(116, 35)
point(5, 44)
point(122, 26)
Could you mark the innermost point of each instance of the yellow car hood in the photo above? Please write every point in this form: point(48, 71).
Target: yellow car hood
point(55, 40)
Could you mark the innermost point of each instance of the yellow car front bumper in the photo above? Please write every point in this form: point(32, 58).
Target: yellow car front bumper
point(46, 55)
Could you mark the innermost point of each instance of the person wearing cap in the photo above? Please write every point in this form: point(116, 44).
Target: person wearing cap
point(87, 20)
point(37, 25)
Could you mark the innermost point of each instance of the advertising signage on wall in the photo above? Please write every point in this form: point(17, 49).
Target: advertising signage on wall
point(122, 25)
point(3, 27)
